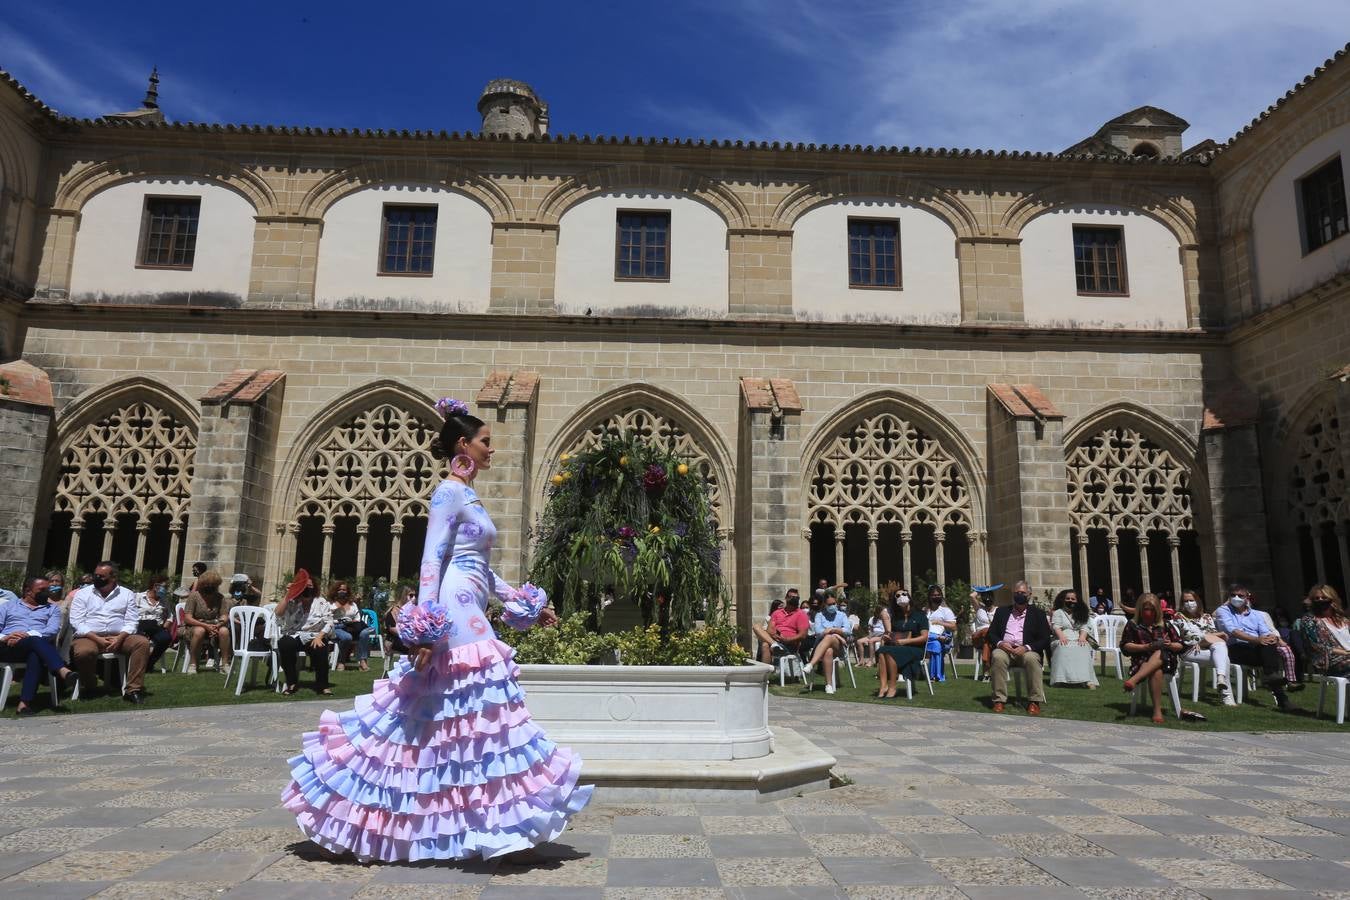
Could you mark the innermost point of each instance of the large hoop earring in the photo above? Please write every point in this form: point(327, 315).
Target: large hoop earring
point(462, 466)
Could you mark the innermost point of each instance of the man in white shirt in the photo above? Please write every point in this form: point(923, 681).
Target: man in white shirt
point(103, 617)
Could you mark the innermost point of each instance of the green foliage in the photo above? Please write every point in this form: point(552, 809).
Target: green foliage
point(573, 643)
point(635, 517)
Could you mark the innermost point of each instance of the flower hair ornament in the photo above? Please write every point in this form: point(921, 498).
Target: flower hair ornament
point(449, 406)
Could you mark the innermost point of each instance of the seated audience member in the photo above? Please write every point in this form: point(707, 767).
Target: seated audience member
point(1205, 643)
point(103, 620)
point(902, 651)
point(1252, 642)
point(1128, 602)
point(352, 631)
point(242, 591)
point(305, 623)
point(982, 600)
point(1326, 633)
point(7, 596)
point(1071, 661)
point(941, 630)
point(152, 616)
point(830, 630)
point(28, 628)
point(56, 589)
point(854, 623)
point(1153, 645)
point(1020, 634)
point(1101, 604)
point(207, 615)
point(876, 633)
point(1286, 652)
point(789, 626)
point(392, 643)
point(761, 631)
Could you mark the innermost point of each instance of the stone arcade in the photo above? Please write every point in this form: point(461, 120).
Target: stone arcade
point(223, 342)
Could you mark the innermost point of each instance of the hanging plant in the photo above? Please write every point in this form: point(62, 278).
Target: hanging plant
point(636, 519)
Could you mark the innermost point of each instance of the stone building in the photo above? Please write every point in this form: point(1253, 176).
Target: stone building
point(1123, 365)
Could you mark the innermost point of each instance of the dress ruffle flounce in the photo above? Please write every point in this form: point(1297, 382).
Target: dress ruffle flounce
point(440, 764)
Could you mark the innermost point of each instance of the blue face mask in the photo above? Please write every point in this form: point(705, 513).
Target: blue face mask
point(54, 590)
point(161, 592)
point(831, 609)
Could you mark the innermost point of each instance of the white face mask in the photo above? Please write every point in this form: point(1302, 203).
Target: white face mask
point(1237, 602)
point(1190, 606)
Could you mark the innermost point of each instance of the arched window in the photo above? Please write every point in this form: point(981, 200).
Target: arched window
point(887, 502)
point(1144, 148)
point(662, 431)
point(1130, 515)
point(363, 490)
point(1319, 502)
point(124, 485)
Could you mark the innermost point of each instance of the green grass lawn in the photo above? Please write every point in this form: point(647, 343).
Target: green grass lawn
point(206, 688)
point(1108, 703)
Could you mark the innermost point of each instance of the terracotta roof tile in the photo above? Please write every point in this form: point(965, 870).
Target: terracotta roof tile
point(1011, 401)
point(1231, 406)
point(1039, 403)
point(26, 383)
point(494, 389)
point(1341, 374)
point(229, 386)
point(785, 392)
point(524, 386)
point(757, 392)
point(257, 388)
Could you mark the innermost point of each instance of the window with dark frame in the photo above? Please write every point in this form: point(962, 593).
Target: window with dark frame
point(169, 232)
point(1099, 259)
point(408, 241)
point(873, 253)
point(642, 248)
point(1322, 199)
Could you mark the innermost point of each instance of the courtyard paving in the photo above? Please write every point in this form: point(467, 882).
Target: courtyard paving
point(183, 804)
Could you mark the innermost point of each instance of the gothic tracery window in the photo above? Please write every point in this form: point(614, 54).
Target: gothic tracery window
point(361, 508)
point(124, 485)
point(1130, 515)
point(663, 431)
point(883, 500)
point(1318, 499)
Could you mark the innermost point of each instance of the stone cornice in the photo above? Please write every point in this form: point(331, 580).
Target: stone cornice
point(1333, 290)
point(440, 326)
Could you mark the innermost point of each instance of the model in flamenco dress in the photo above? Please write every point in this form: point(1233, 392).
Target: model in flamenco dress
point(442, 760)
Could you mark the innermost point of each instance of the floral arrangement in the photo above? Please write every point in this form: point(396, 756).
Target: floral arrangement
point(425, 622)
point(635, 518)
point(520, 610)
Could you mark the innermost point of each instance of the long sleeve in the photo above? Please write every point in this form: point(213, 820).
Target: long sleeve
point(131, 618)
point(523, 605)
point(52, 627)
point(446, 502)
point(79, 612)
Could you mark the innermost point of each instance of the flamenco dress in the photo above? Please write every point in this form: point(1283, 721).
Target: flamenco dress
point(444, 763)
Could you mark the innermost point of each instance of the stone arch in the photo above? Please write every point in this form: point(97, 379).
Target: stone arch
point(635, 176)
point(15, 177)
point(359, 473)
point(1170, 211)
point(438, 173)
point(1311, 493)
point(75, 191)
point(833, 188)
point(1133, 477)
point(1277, 153)
point(887, 467)
point(121, 469)
point(656, 413)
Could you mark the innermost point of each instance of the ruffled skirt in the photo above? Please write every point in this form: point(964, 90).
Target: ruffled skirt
point(440, 764)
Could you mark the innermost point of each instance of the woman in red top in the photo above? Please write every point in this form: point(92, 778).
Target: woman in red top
point(1153, 645)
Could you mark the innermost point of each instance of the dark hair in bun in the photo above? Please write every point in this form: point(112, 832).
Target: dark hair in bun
point(455, 427)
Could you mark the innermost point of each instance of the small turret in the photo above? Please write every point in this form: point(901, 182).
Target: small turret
point(510, 107)
point(149, 110)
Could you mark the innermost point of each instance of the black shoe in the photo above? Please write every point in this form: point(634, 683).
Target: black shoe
point(1282, 700)
point(26, 713)
point(134, 697)
point(71, 681)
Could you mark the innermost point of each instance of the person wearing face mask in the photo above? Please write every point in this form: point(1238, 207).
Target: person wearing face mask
point(830, 629)
point(1020, 635)
point(152, 616)
point(902, 650)
point(56, 589)
point(983, 600)
point(28, 629)
point(1326, 632)
point(1252, 642)
point(941, 630)
point(103, 619)
point(1206, 645)
point(1153, 645)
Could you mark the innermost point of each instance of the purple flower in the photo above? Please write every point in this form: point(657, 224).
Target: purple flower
point(627, 533)
point(655, 479)
point(680, 529)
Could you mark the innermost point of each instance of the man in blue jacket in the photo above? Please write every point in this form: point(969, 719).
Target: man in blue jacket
point(28, 629)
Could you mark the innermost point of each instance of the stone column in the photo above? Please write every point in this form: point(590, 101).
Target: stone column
point(760, 263)
point(25, 427)
point(768, 499)
point(57, 227)
point(285, 261)
point(991, 278)
point(507, 401)
point(232, 477)
point(1231, 455)
point(1029, 509)
point(524, 267)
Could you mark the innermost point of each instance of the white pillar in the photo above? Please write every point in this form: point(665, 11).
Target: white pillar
point(175, 541)
point(1146, 582)
point(395, 549)
point(328, 529)
point(940, 537)
point(1173, 543)
point(142, 529)
point(76, 535)
point(1083, 580)
point(839, 556)
point(1113, 552)
point(872, 536)
point(906, 581)
point(362, 533)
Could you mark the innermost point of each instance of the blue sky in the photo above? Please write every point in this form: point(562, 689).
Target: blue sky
point(1032, 74)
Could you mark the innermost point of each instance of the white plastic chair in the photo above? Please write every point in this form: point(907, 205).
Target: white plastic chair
point(1340, 681)
point(844, 660)
point(65, 639)
point(181, 648)
point(1107, 630)
point(1143, 689)
point(7, 681)
point(789, 663)
point(1194, 667)
point(103, 658)
point(243, 625)
point(376, 637)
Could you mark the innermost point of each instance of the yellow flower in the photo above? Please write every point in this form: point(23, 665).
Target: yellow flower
point(557, 479)
point(566, 476)
point(682, 469)
point(623, 460)
point(565, 457)
point(656, 529)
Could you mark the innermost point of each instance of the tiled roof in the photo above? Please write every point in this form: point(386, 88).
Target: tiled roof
point(1289, 94)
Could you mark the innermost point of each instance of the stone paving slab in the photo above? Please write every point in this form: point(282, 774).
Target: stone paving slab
point(941, 805)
